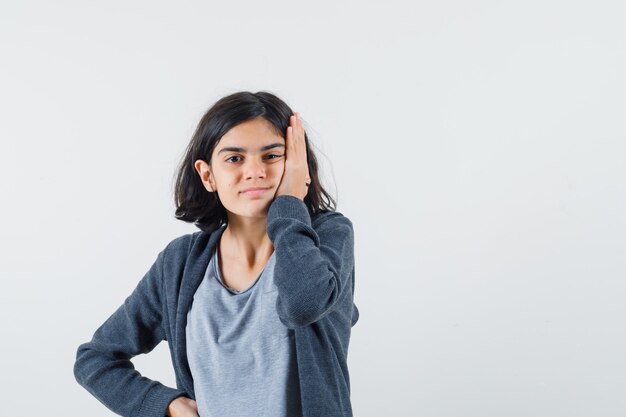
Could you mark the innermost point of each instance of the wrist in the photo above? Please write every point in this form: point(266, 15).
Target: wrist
point(172, 406)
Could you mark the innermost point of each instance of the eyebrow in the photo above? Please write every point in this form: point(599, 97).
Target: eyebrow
point(264, 148)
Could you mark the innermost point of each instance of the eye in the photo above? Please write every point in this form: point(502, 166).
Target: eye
point(234, 156)
point(229, 160)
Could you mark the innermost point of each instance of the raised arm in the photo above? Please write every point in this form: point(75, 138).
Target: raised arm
point(314, 267)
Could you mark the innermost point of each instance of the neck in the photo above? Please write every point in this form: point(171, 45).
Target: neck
point(247, 240)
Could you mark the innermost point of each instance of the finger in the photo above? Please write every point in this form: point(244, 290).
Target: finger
point(296, 127)
point(294, 131)
point(289, 145)
point(300, 127)
point(301, 137)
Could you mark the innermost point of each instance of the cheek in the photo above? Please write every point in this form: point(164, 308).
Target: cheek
point(278, 168)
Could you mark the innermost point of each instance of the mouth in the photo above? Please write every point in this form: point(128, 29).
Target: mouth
point(254, 192)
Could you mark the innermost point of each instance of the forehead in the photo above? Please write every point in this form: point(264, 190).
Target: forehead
point(256, 130)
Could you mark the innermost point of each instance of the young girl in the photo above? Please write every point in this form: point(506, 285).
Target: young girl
point(257, 307)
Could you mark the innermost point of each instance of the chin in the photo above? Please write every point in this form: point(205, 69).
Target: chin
point(257, 210)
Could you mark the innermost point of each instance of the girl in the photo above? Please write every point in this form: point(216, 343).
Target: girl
point(257, 307)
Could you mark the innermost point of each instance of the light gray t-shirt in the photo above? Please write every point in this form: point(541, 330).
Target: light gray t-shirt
point(242, 357)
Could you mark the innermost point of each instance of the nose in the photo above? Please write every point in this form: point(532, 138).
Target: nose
point(254, 169)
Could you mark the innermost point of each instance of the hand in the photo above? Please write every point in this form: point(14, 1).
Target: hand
point(182, 407)
point(296, 174)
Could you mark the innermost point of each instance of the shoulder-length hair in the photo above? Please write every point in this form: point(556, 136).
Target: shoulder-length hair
point(194, 204)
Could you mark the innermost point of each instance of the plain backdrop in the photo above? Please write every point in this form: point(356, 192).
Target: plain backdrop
point(478, 148)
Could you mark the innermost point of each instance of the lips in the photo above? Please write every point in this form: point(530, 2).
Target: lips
point(254, 192)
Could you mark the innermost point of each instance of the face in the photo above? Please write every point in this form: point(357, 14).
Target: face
point(251, 154)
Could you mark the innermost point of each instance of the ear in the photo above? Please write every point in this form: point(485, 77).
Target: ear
point(206, 175)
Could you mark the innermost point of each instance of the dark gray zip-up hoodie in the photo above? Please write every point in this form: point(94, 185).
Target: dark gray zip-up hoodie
point(314, 274)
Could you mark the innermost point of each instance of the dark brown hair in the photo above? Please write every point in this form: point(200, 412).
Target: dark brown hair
point(194, 204)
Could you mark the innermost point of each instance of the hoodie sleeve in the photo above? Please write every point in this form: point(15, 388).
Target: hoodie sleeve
point(103, 365)
point(314, 267)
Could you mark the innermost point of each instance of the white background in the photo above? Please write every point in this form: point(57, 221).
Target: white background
point(477, 147)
